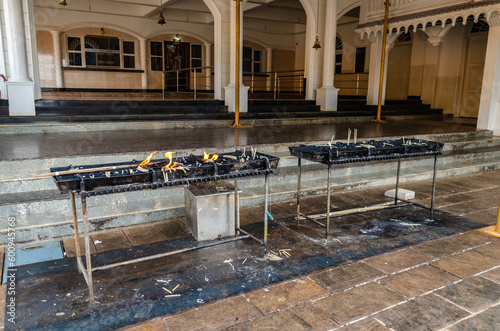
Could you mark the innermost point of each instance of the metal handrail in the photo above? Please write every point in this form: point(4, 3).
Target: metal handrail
point(195, 77)
point(356, 79)
point(274, 80)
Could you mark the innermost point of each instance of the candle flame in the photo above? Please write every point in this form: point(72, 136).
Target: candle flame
point(146, 161)
point(206, 157)
point(171, 164)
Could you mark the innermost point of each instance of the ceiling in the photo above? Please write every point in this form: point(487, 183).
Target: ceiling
point(195, 11)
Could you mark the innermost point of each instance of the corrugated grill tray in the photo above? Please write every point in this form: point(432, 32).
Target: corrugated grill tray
point(366, 151)
point(194, 170)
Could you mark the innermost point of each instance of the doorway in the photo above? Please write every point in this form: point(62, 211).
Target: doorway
point(177, 56)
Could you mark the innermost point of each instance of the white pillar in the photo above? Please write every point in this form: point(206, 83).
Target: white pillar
point(144, 62)
point(207, 63)
point(56, 37)
point(230, 90)
point(374, 70)
point(20, 87)
point(489, 106)
point(327, 94)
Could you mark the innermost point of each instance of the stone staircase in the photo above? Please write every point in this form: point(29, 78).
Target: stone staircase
point(163, 111)
point(41, 212)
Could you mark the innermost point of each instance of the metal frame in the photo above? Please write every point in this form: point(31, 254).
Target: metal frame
point(380, 206)
point(86, 268)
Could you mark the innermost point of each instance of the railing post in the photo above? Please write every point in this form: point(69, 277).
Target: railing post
point(275, 84)
point(357, 85)
point(177, 81)
point(300, 84)
point(194, 73)
point(163, 86)
point(252, 83)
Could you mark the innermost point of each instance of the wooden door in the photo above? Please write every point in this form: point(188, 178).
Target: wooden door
point(473, 78)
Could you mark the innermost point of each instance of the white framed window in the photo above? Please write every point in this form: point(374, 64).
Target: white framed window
point(196, 56)
point(156, 54)
point(74, 49)
point(252, 60)
point(100, 51)
point(128, 54)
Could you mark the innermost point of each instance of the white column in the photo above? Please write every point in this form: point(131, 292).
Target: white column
point(33, 51)
point(144, 62)
point(56, 37)
point(230, 90)
point(327, 94)
point(207, 58)
point(20, 87)
point(374, 70)
point(489, 106)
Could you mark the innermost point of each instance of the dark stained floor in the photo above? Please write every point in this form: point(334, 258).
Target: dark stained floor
point(362, 279)
point(22, 146)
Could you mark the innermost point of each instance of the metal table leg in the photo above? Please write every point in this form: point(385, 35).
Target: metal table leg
point(75, 227)
point(266, 202)
point(298, 190)
point(88, 272)
point(236, 206)
point(397, 183)
point(328, 203)
point(433, 186)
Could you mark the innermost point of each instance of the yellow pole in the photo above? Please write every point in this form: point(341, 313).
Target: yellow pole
point(493, 230)
point(237, 124)
point(237, 79)
point(497, 229)
point(382, 64)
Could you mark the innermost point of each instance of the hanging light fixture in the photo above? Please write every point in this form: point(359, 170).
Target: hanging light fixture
point(161, 19)
point(63, 3)
point(316, 43)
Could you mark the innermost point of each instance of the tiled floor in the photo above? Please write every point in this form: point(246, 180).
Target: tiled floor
point(452, 283)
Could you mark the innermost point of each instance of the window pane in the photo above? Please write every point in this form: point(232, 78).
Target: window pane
point(128, 47)
point(91, 58)
point(156, 48)
point(257, 56)
point(338, 58)
point(257, 67)
point(196, 51)
point(128, 61)
point(74, 44)
point(75, 59)
point(247, 66)
point(338, 69)
point(195, 63)
point(247, 53)
point(156, 64)
point(360, 59)
point(108, 59)
point(108, 43)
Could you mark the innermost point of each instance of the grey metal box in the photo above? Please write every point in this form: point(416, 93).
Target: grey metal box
point(210, 210)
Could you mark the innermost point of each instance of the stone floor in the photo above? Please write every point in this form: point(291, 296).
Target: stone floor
point(452, 283)
point(46, 145)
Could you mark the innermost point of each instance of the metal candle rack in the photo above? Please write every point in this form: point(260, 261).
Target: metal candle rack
point(366, 151)
point(124, 177)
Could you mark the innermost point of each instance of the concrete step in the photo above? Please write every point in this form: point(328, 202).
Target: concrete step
point(42, 212)
point(11, 182)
